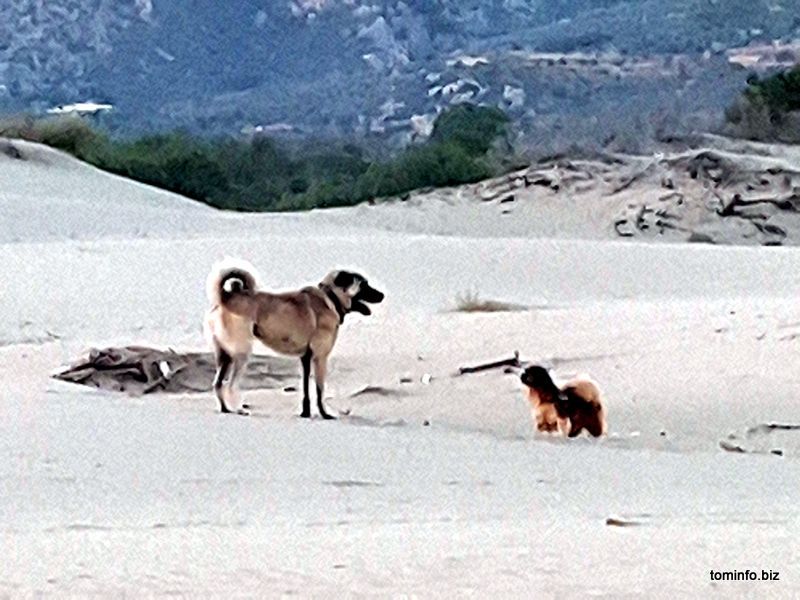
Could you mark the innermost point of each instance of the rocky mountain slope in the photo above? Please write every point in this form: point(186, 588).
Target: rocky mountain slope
point(350, 67)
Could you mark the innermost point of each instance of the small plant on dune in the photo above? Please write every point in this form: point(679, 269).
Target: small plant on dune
point(471, 302)
point(71, 134)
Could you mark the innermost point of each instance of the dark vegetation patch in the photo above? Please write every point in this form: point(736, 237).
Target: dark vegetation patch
point(261, 174)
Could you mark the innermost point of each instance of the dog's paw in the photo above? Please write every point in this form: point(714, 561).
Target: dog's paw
point(305, 415)
point(243, 413)
point(327, 417)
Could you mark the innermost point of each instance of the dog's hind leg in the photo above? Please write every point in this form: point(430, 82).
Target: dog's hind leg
point(224, 363)
point(239, 363)
point(305, 360)
point(596, 425)
point(320, 370)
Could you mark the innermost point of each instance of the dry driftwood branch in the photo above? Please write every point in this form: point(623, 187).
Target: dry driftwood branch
point(729, 447)
point(508, 362)
point(770, 427)
point(617, 224)
point(737, 449)
point(784, 203)
point(614, 522)
point(703, 161)
point(626, 183)
point(672, 196)
point(770, 229)
point(641, 224)
point(542, 179)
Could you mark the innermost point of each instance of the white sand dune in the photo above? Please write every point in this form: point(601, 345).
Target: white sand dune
point(106, 494)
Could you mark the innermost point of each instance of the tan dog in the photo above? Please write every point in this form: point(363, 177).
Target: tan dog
point(303, 323)
point(568, 410)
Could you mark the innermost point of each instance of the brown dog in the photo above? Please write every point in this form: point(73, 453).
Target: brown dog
point(570, 409)
point(303, 323)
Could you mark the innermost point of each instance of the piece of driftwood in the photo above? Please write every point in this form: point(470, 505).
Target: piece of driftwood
point(770, 229)
point(614, 522)
point(619, 223)
point(708, 164)
point(730, 447)
point(507, 362)
point(672, 196)
point(138, 370)
point(770, 427)
point(788, 203)
point(738, 449)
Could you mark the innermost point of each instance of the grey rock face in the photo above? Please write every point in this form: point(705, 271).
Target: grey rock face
point(328, 66)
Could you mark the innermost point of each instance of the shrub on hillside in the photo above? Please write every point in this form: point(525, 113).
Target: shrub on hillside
point(768, 109)
point(474, 128)
point(71, 134)
point(260, 175)
point(780, 92)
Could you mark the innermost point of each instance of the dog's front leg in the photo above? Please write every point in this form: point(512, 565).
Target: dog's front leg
point(320, 369)
point(224, 362)
point(305, 360)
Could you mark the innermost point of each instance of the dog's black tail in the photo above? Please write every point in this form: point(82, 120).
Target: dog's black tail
point(228, 278)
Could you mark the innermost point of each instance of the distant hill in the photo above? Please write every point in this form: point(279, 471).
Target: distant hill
point(564, 69)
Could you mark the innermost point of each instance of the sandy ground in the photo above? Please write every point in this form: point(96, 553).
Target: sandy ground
point(105, 494)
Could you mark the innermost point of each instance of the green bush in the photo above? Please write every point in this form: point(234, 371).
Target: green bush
point(768, 109)
point(260, 175)
point(780, 93)
point(71, 134)
point(474, 128)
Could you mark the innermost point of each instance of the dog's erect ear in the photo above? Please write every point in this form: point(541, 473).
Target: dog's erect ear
point(344, 280)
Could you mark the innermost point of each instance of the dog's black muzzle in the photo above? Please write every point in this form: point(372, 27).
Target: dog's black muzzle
point(366, 294)
point(370, 294)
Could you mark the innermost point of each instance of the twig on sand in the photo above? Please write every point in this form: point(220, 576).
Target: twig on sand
point(614, 522)
point(770, 427)
point(508, 362)
point(737, 449)
point(728, 447)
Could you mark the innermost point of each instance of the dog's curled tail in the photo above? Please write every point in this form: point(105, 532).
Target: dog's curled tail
point(229, 277)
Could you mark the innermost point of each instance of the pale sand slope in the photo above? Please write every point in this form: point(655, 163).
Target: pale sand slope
point(106, 494)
